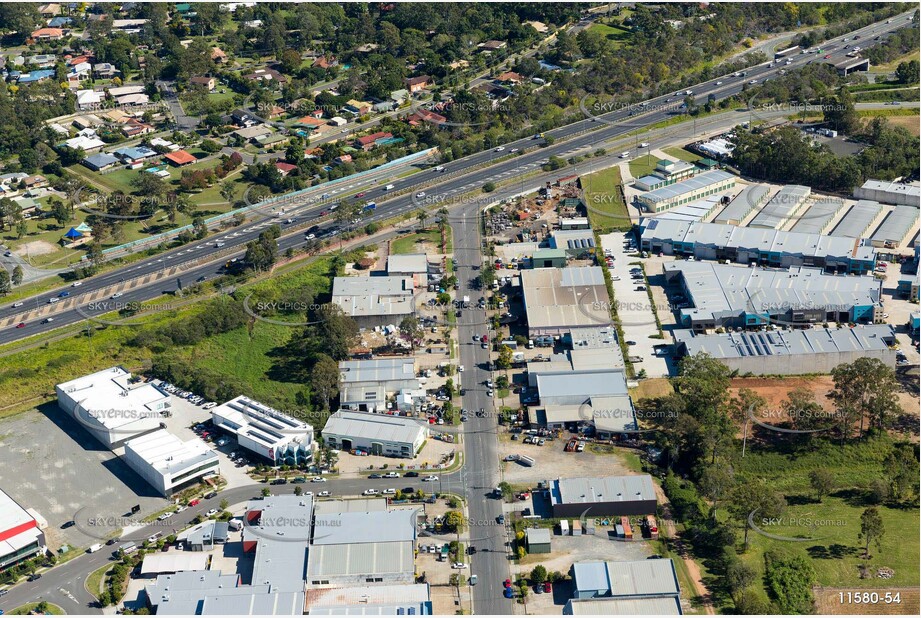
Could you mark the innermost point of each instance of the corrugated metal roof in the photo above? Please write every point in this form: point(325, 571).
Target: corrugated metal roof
point(643, 578)
point(855, 222)
point(365, 559)
point(783, 205)
point(684, 187)
point(871, 337)
point(819, 215)
point(588, 490)
point(373, 427)
point(662, 606)
point(368, 527)
point(897, 224)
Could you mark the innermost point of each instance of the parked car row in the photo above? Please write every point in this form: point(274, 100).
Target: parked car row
point(188, 395)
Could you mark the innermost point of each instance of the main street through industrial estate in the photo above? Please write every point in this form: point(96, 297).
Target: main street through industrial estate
point(163, 273)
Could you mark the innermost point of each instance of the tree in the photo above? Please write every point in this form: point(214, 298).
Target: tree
point(6, 285)
point(908, 72)
point(901, 467)
point(421, 217)
point(324, 379)
point(224, 504)
point(739, 576)
point(822, 482)
point(538, 574)
point(505, 357)
point(298, 490)
point(454, 521)
point(789, 578)
point(756, 500)
point(17, 275)
point(871, 530)
point(61, 213)
point(411, 329)
point(865, 391)
point(266, 492)
point(507, 492)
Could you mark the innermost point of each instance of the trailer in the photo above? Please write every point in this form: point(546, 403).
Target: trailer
point(628, 530)
point(785, 52)
point(524, 459)
point(652, 527)
point(576, 527)
point(564, 527)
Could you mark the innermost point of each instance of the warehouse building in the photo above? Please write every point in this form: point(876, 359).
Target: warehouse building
point(21, 536)
point(576, 243)
point(782, 207)
point(270, 434)
point(818, 218)
point(366, 385)
point(549, 258)
point(742, 205)
point(354, 548)
point(559, 300)
point(376, 434)
point(611, 495)
point(730, 296)
point(167, 463)
point(666, 173)
point(595, 399)
point(213, 593)
point(696, 211)
point(278, 529)
point(687, 191)
point(791, 352)
point(663, 606)
point(895, 229)
point(113, 406)
point(640, 579)
point(890, 192)
point(857, 222)
point(414, 266)
point(380, 600)
point(775, 248)
point(374, 301)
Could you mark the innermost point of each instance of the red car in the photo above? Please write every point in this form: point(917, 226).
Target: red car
point(507, 583)
point(484, 338)
point(195, 502)
point(362, 194)
point(548, 587)
point(21, 325)
point(324, 213)
point(827, 56)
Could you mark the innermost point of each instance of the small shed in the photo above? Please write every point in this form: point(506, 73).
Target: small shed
point(538, 540)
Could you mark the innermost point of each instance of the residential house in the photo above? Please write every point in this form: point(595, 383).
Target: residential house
point(492, 46)
point(58, 22)
point(40, 61)
point(47, 34)
point(88, 99)
point(266, 74)
point(133, 127)
point(325, 62)
point(370, 141)
point(417, 84)
point(343, 159)
point(180, 158)
point(36, 76)
point(134, 154)
point(255, 132)
point(510, 77)
point(104, 70)
point(421, 116)
point(87, 144)
point(218, 56)
point(100, 162)
point(357, 107)
point(133, 99)
point(79, 73)
point(209, 83)
point(284, 168)
point(49, 10)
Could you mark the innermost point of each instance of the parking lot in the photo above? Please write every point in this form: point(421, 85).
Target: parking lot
point(634, 308)
point(50, 463)
point(552, 462)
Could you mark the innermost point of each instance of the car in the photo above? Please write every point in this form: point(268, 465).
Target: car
point(371, 492)
point(631, 342)
point(153, 538)
point(420, 194)
point(76, 284)
point(500, 148)
point(392, 475)
point(211, 512)
point(7, 253)
point(389, 492)
point(460, 368)
point(362, 194)
point(753, 82)
point(47, 320)
point(458, 565)
point(548, 587)
point(500, 519)
point(719, 83)
point(411, 475)
point(323, 494)
point(625, 154)
point(318, 479)
point(484, 345)
point(297, 480)
point(194, 502)
point(826, 56)
point(281, 481)
point(64, 294)
point(21, 325)
point(51, 301)
point(431, 477)
point(210, 494)
point(116, 295)
point(34, 577)
point(18, 304)
point(165, 516)
point(311, 236)
point(513, 150)
point(181, 508)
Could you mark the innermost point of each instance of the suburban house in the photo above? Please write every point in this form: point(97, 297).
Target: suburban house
point(47, 34)
point(266, 75)
point(510, 77)
point(209, 83)
point(417, 84)
point(370, 141)
point(218, 56)
point(104, 70)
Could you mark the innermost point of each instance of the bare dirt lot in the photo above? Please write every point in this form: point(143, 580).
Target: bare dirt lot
point(553, 462)
point(36, 247)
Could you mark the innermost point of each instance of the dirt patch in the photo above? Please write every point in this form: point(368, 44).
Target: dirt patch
point(553, 462)
point(36, 247)
point(909, 122)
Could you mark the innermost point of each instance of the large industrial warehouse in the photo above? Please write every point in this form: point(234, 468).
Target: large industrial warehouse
point(611, 495)
point(377, 434)
point(559, 300)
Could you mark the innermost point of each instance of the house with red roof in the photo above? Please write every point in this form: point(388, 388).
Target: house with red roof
point(325, 62)
point(417, 84)
point(133, 127)
point(180, 158)
point(284, 168)
point(47, 34)
point(510, 77)
point(370, 141)
point(422, 116)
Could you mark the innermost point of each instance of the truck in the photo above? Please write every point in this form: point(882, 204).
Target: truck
point(370, 206)
point(525, 460)
point(126, 549)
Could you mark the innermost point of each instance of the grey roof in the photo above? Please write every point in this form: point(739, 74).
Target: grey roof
point(373, 296)
point(538, 535)
point(365, 559)
point(655, 606)
point(578, 360)
point(587, 490)
point(781, 207)
point(819, 215)
point(747, 200)
point(100, 160)
point(188, 584)
point(262, 424)
point(695, 211)
point(855, 222)
point(377, 370)
point(247, 601)
point(639, 578)
point(408, 263)
point(691, 185)
point(355, 505)
point(588, 338)
point(574, 296)
point(897, 224)
point(369, 527)
point(373, 427)
point(574, 388)
point(894, 188)
point(756, 239)
point(871, 337)
point(720, 291)
point(281, 536)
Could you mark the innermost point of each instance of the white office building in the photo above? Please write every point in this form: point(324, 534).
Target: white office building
point(264, 431)
point(168, 463)
point(376, 434)
point(113, 406)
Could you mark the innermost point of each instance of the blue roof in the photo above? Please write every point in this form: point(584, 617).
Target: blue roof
point(35, 76)
point(100, 159)
point(590, 576)
point(136, 152)
point(59, 21)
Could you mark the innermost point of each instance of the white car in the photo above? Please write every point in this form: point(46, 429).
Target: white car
point(430, 478)
point(51, 301)
point(209, 405)
point(392, 475)
point(719, 83)
point(180, 509)
point(500, 148)
point(513, 150)
point(211, 512)
point(323, 494)
point(460, 368)
point(308, 493)
point(76, 284)
point(117, 295)
point(371, 492)
point(753, 82)
point(458, 565)
point(165, 516)
point(311, 236)
point(625, 154)
point(389, 492)
point(420, 194)
point(19, 304)
point(644, 144)
point(318, 479)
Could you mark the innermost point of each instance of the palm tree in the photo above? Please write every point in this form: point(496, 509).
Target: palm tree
point(421, 216)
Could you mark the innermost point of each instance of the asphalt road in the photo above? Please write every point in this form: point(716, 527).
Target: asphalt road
point(460, 176)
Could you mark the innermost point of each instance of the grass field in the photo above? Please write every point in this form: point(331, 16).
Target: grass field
point(411, 242)
point(641, 166)
point(681, 154)
point(28, 608)
point(891, 66)
point(95, 579)
point(615, 34)
point(909, 122)
point(604, 200)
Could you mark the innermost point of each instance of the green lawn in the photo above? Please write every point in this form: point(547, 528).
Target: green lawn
point(681, 154)
point(617, 35)
point(25, 610)
point(410, 243)
point(95, 579)
point(641, 166)
point(604, 201)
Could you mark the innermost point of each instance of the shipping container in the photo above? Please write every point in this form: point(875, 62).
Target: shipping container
point(524, 459)
point(564, 527)
point(576, 527)
point(628, 530)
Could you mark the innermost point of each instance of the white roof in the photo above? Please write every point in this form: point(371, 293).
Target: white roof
point(87, 97)
point(374, 296)
point(353, 527)
point(374, 427)
point(120, 91)
point(12, 515)
point(174, 562)
point(86, 143)
point(408, 263)
point(262, 424)
point(110, 399)
point(166, 453)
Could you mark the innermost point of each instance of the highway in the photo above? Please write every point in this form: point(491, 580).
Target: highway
point(158, 274)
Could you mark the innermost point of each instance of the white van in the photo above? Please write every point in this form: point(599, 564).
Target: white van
point(94, 548)
point(388, 188)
